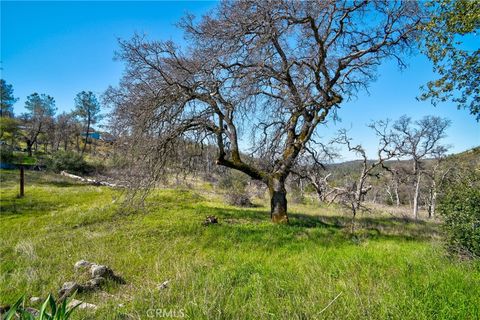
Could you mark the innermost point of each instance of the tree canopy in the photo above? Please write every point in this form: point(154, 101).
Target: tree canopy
point(457, 65)
point(268, 72)
point(6, 99)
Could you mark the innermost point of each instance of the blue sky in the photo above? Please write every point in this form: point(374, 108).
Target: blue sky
point(62, 48)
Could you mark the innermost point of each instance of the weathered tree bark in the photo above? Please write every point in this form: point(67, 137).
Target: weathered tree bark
point(432, 203)
point(416, 196)
point(278, 200)
point(397, 196)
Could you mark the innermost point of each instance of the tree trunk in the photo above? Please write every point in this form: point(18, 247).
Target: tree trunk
point(86, 137)
point(432, 201)
point(29, 148)
point(397, 196)
point(278, 202)
point(416, 197)
point(433, 204)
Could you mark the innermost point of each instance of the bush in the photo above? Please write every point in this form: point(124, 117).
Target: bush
point(239, 199)
point(460, 207)
point(69, 161)
point(233, 180)
point(235, 183)
point(6, 154)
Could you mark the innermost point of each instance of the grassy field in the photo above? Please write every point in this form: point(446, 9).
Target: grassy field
point(243, 268)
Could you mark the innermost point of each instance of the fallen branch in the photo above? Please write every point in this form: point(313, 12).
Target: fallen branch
point(328, 305)
point(91, 181)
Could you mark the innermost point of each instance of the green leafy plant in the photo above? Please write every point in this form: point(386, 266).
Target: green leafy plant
point(460, 207)
point(69, 161)
point(50, 310)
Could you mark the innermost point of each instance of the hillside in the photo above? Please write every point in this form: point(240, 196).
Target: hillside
point(244, 267)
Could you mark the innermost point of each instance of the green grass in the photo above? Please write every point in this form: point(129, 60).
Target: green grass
point(243, 268)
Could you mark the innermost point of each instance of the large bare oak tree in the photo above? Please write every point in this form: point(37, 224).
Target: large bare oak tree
point(258, 75)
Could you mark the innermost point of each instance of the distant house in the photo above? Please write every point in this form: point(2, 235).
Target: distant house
point(92, 134)
point(97, 135)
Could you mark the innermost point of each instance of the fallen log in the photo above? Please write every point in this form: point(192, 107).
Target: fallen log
point(91, 181)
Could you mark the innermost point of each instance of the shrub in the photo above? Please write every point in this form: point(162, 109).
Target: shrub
point(233, 180)
point(235, 183)
point(69, 161)
point(6, 154)
point(239, 199)
point(460, 207)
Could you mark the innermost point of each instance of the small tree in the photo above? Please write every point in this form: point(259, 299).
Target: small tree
point(8, 124)
point(354, 193)
point(398, 176)
point(65, 129)
point(437, 175)
point(7, 100)
point(41, 108)
point(87, 108)
point(417, 141)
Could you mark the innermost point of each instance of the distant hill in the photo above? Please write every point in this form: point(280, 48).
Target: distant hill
point(471, 155)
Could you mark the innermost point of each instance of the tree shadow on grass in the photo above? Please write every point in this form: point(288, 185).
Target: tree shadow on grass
point(254, 226)
point(14, 206)
point(60, 183)
point(373, 226)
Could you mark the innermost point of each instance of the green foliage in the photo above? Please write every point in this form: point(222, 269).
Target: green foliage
point(69, 161)
point(6, 154)
point(460, 208)
point(40, 106)
point(6, 99)
point(457, 65)
point(87, 107)
point(9, 129)
point(58, 311)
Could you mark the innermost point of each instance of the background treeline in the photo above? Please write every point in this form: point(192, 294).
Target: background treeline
point(411, 176)
point(43, 138)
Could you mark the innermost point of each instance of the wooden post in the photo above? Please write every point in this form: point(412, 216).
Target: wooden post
point(22, 181)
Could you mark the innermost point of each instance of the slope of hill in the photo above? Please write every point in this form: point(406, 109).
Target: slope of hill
point(244, 267)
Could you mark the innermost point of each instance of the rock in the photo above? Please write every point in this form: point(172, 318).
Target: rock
point(69, 286)
point(98, 270)
point(35, 299)
point(163, 285)
point(82, 264)
point(34, 312)
point(95, 282)
point(210, 220)
point(81, 305)
point(105, 272)
point(68, 289)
